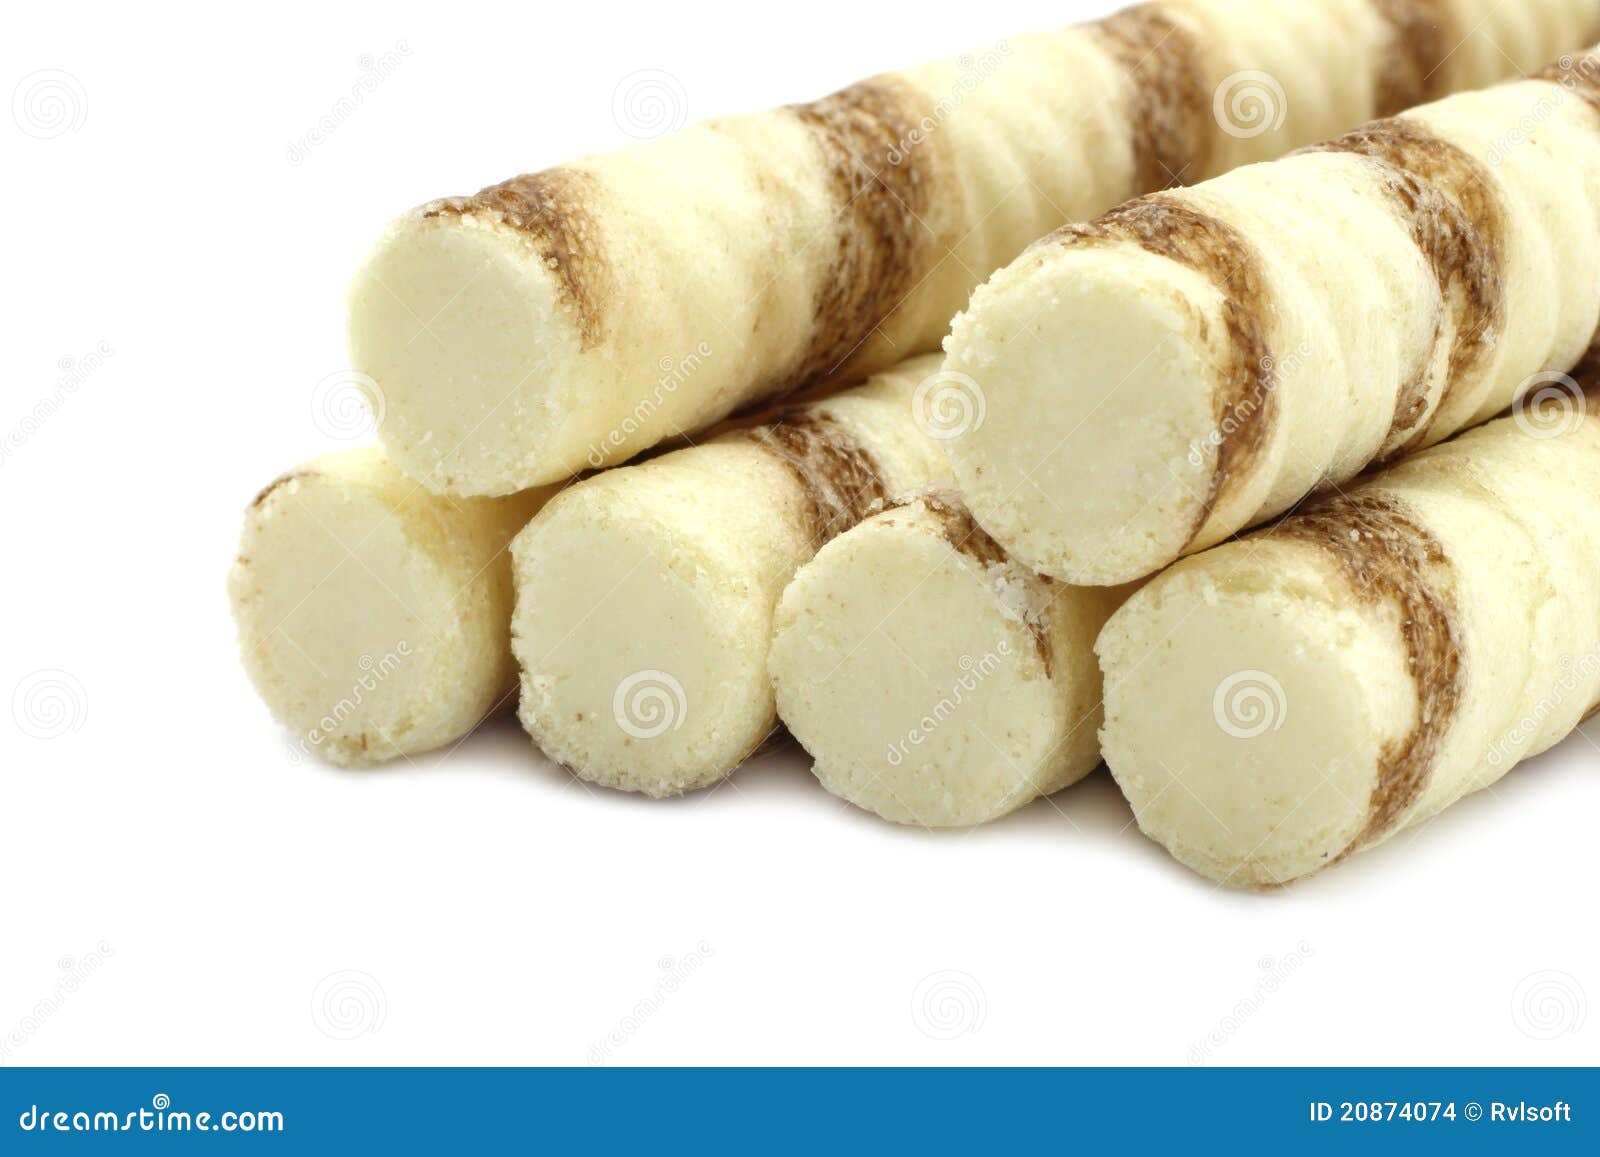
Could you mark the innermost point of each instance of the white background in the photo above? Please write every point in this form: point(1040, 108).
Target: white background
point(178, 889)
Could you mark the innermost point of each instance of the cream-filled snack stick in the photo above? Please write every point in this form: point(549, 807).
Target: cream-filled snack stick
point(374, 617)
point(576, 316)
point(1197, 361)
point(1281, 702)
point(645, 594)
point(933, 680)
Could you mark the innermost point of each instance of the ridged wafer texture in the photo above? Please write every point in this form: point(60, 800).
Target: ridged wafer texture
point(645, 594)
point(1310, 690)
point(1197, 361)
point(578, 315)
point(374, 617)
point(934, 681)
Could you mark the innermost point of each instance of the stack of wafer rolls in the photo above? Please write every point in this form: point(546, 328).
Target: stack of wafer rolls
point(1279, 703)
point(934, 681)
point(1197, 361)
point(645, 594)
point(373, 616)
point(519, 335)
point(970, 577)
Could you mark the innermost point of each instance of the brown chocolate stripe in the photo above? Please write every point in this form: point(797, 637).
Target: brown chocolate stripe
point(1388, 557)
point(1420, 41)
point(841, 479)
point(1448, 201)
point(965, 536)
point(281, 480)
point(555, 209)
point(882, 248)
point(1245, 409)
point(1170, 130)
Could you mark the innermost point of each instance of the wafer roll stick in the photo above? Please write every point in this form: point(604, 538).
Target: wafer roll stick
point(1196, 362)
point(934, 681)
point(1279, 703)
point(374, 617)
point(645, 594)
point(554, 321)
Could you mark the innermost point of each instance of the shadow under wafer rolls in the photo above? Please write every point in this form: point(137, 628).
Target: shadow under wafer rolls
point(645, 594)
point(374, 617)
point(1281, 702)
point(518, 334)
point(1196, 362)
point(933, 680)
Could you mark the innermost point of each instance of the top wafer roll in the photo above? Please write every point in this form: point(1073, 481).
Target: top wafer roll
point(1197, 361)
point(575, 316)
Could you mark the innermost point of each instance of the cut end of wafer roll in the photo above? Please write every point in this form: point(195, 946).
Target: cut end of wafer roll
point(365, 623)
point(1087, 362)
point(934, 681)
point(1286, 699)
point(641, 637)
point(473, 332)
